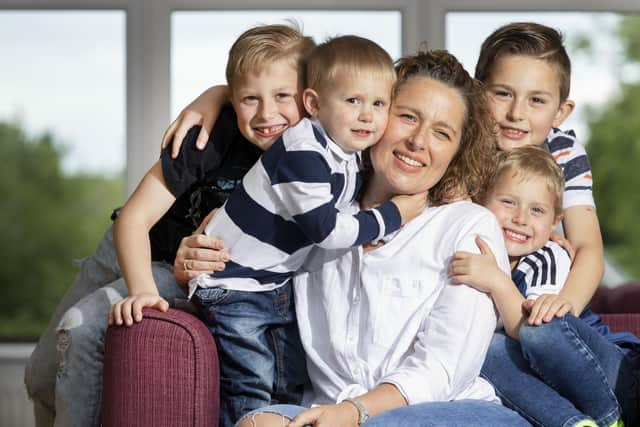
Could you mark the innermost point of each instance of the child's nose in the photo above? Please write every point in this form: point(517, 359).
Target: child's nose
point(267, 110)
point(516, 110)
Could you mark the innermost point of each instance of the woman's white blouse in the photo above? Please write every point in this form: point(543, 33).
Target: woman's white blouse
point(392, 315)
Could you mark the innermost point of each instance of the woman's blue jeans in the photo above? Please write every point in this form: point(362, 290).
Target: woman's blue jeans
point(562, 372)
point(457, 413)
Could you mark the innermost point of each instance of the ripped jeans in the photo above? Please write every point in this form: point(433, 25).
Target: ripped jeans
point(64, 373)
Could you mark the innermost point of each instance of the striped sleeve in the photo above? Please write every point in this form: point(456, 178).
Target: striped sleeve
point(569, 153)
point(542, 272)
point(305, 185)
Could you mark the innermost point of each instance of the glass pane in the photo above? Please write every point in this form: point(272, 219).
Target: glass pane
point(200, 40)
point(604, 78)
point(62, 141)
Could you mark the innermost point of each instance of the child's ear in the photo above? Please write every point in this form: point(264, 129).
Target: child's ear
point(311, 102)
point(565, 109)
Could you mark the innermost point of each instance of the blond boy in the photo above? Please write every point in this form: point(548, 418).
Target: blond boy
point(527, 75)
point(265, 86)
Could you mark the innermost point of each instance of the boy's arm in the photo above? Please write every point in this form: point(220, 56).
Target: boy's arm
point(145, 207)
point(582, 229)
point(481, 272)
point(204, 110)
point(302, 183)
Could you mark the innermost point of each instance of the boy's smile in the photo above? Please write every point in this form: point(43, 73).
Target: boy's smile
point(524, 207)
point(524, 99)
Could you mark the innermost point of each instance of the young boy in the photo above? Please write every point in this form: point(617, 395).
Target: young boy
point(263, 71)
point(288, 201)
point(527, 73)
point(565, 372)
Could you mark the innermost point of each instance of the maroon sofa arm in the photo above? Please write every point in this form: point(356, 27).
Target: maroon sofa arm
point(623, 322)
point(161, 372)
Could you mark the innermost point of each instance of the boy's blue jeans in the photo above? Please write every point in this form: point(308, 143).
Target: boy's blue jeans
point(562, 372)
point(261, 357)
point(457, 413)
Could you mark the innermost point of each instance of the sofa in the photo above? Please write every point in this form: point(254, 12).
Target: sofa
point(163, 372)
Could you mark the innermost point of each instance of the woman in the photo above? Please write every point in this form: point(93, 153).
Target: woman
point(387, 335)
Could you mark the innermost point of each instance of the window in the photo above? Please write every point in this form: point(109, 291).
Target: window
point(200, 40)
point(62, 139)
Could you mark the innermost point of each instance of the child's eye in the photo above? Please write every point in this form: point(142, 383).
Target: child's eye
point(502, 93)
point(507, 202)
point(379, 103)
point(353, 100)
point(250, 99)
point(538, 211)
point(283, 96)
point(538, 100)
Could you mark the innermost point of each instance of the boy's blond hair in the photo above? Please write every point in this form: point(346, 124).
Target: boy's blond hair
point(344, 56)
point(526, 162)
point(526, 39)
point(263, 45)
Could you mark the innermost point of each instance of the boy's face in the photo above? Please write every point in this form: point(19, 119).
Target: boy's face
point(524, 206)
point(267, 103)
point(524, 99)
point(354, 111)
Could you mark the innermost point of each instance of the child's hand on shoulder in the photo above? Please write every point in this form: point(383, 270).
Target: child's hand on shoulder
point(477, 270)
point(410, 206)
point(545, 307)
point(129, 309)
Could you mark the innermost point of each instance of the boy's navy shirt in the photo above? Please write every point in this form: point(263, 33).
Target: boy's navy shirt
point(201, 180)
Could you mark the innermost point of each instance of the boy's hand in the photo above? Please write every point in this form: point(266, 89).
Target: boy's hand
point(545, 307)
point(565, 243)
point(410, 206)
point(129, 309)
point(341, 415)
point(204, 110)
point(477, 270)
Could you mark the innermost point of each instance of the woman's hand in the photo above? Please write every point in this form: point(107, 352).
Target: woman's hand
point(545, 307)
point(204, 110)
point(129, 309)
point(199, 254)
point(341, 415)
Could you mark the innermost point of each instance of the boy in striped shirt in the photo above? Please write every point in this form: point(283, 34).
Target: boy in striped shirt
point(299, 194)
point(552, 374)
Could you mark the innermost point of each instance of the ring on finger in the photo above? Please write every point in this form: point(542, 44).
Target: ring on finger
point(185, 265)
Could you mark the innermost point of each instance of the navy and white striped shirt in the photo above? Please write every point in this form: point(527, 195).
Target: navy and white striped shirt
point(289, 201)
point(545, 272)
point(569, 153)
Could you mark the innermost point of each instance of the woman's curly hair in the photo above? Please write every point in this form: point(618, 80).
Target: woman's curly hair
point(471, 164)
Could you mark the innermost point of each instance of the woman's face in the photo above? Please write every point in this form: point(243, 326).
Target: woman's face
point(421, 138)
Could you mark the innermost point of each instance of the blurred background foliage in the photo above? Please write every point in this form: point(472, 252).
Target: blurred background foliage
point(614, 152)
point(48, 219)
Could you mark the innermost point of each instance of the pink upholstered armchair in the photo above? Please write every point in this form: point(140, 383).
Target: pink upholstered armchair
point(163, 372)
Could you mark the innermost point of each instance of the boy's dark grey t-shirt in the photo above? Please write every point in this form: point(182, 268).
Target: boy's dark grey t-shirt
point(201, 181)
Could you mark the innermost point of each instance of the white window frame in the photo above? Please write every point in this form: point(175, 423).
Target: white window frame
point(148, 43)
